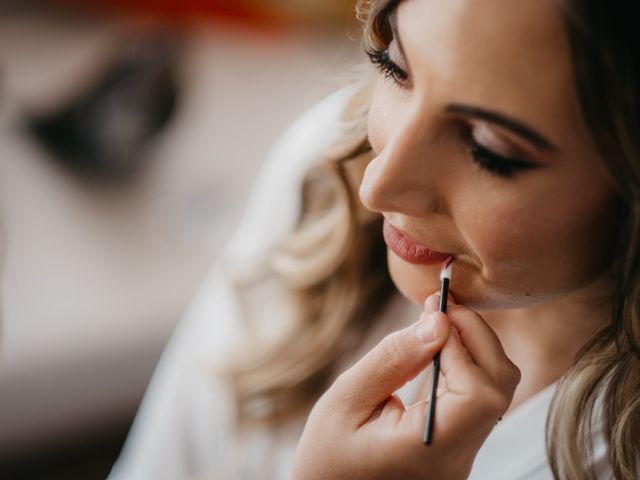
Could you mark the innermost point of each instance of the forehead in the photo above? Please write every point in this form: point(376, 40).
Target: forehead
point(509, 55)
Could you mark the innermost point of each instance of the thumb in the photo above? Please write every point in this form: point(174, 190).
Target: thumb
point(398, 358)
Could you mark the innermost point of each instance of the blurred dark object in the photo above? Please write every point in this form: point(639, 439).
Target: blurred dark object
point(104, 132)
point(90, 456)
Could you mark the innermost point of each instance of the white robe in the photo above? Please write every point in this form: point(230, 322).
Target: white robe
point(184, 428)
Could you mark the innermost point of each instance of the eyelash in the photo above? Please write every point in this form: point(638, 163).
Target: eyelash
point(498, 165)
point(380, 59)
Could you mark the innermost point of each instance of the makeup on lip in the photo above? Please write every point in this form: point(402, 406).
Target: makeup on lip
point(409, 249)
point(445, 278)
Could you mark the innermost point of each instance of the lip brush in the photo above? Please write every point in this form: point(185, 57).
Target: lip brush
point(445, 278)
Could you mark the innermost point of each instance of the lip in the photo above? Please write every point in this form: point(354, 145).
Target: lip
point(408, 249)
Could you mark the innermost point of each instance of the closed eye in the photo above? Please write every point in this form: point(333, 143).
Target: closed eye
point(494, 163)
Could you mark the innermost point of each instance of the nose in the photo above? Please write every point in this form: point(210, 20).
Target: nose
point(405, 175)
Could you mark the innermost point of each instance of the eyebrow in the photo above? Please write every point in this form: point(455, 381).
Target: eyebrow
point(509, 123)
point(515, 126)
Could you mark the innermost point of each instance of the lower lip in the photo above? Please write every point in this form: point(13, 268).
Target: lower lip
point(408, 249)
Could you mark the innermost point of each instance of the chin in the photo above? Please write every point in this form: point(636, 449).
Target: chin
point(415, 282)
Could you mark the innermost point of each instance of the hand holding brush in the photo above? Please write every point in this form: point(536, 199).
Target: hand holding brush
point(360, 429)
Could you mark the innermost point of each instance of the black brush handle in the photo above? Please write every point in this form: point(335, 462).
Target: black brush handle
point(428, 429)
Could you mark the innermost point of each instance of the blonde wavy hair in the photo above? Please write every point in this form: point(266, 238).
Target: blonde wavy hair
point(334, 261)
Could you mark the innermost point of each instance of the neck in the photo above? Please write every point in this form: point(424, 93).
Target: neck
point(543, 340)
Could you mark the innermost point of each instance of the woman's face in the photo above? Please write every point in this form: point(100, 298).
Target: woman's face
point(481, 151)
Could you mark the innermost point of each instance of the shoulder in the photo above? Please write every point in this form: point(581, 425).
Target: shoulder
point(315, 129)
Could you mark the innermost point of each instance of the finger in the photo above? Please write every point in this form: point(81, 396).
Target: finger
point(484, 346)
point(460, 373)
point(432, 302)
point(470, 384)
point(398, 358)
point(462, 406)
point(457, 365)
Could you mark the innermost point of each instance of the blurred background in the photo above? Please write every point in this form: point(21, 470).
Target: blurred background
point(131, 133)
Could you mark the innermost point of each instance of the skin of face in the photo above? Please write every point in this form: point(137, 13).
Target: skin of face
point(521, 240)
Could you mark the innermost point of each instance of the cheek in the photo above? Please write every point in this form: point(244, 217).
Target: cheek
point(534, 251)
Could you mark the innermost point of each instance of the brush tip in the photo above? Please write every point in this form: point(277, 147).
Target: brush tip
point(447, 268)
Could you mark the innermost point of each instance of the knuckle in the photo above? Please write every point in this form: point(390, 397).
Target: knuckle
point(462, 316)
point(337, 384)
point(496, 403)
point(465, 320)
point(456, 314)
point(488, 401)
point(516, 375)
point(508, 377)
point(337, 399)
point(392, 351)
point(338, 392)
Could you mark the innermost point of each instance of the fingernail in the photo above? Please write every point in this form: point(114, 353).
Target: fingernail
point(427, 328)
point(432, 303)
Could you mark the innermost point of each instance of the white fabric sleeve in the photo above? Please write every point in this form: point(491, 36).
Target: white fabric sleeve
point(185, 418)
